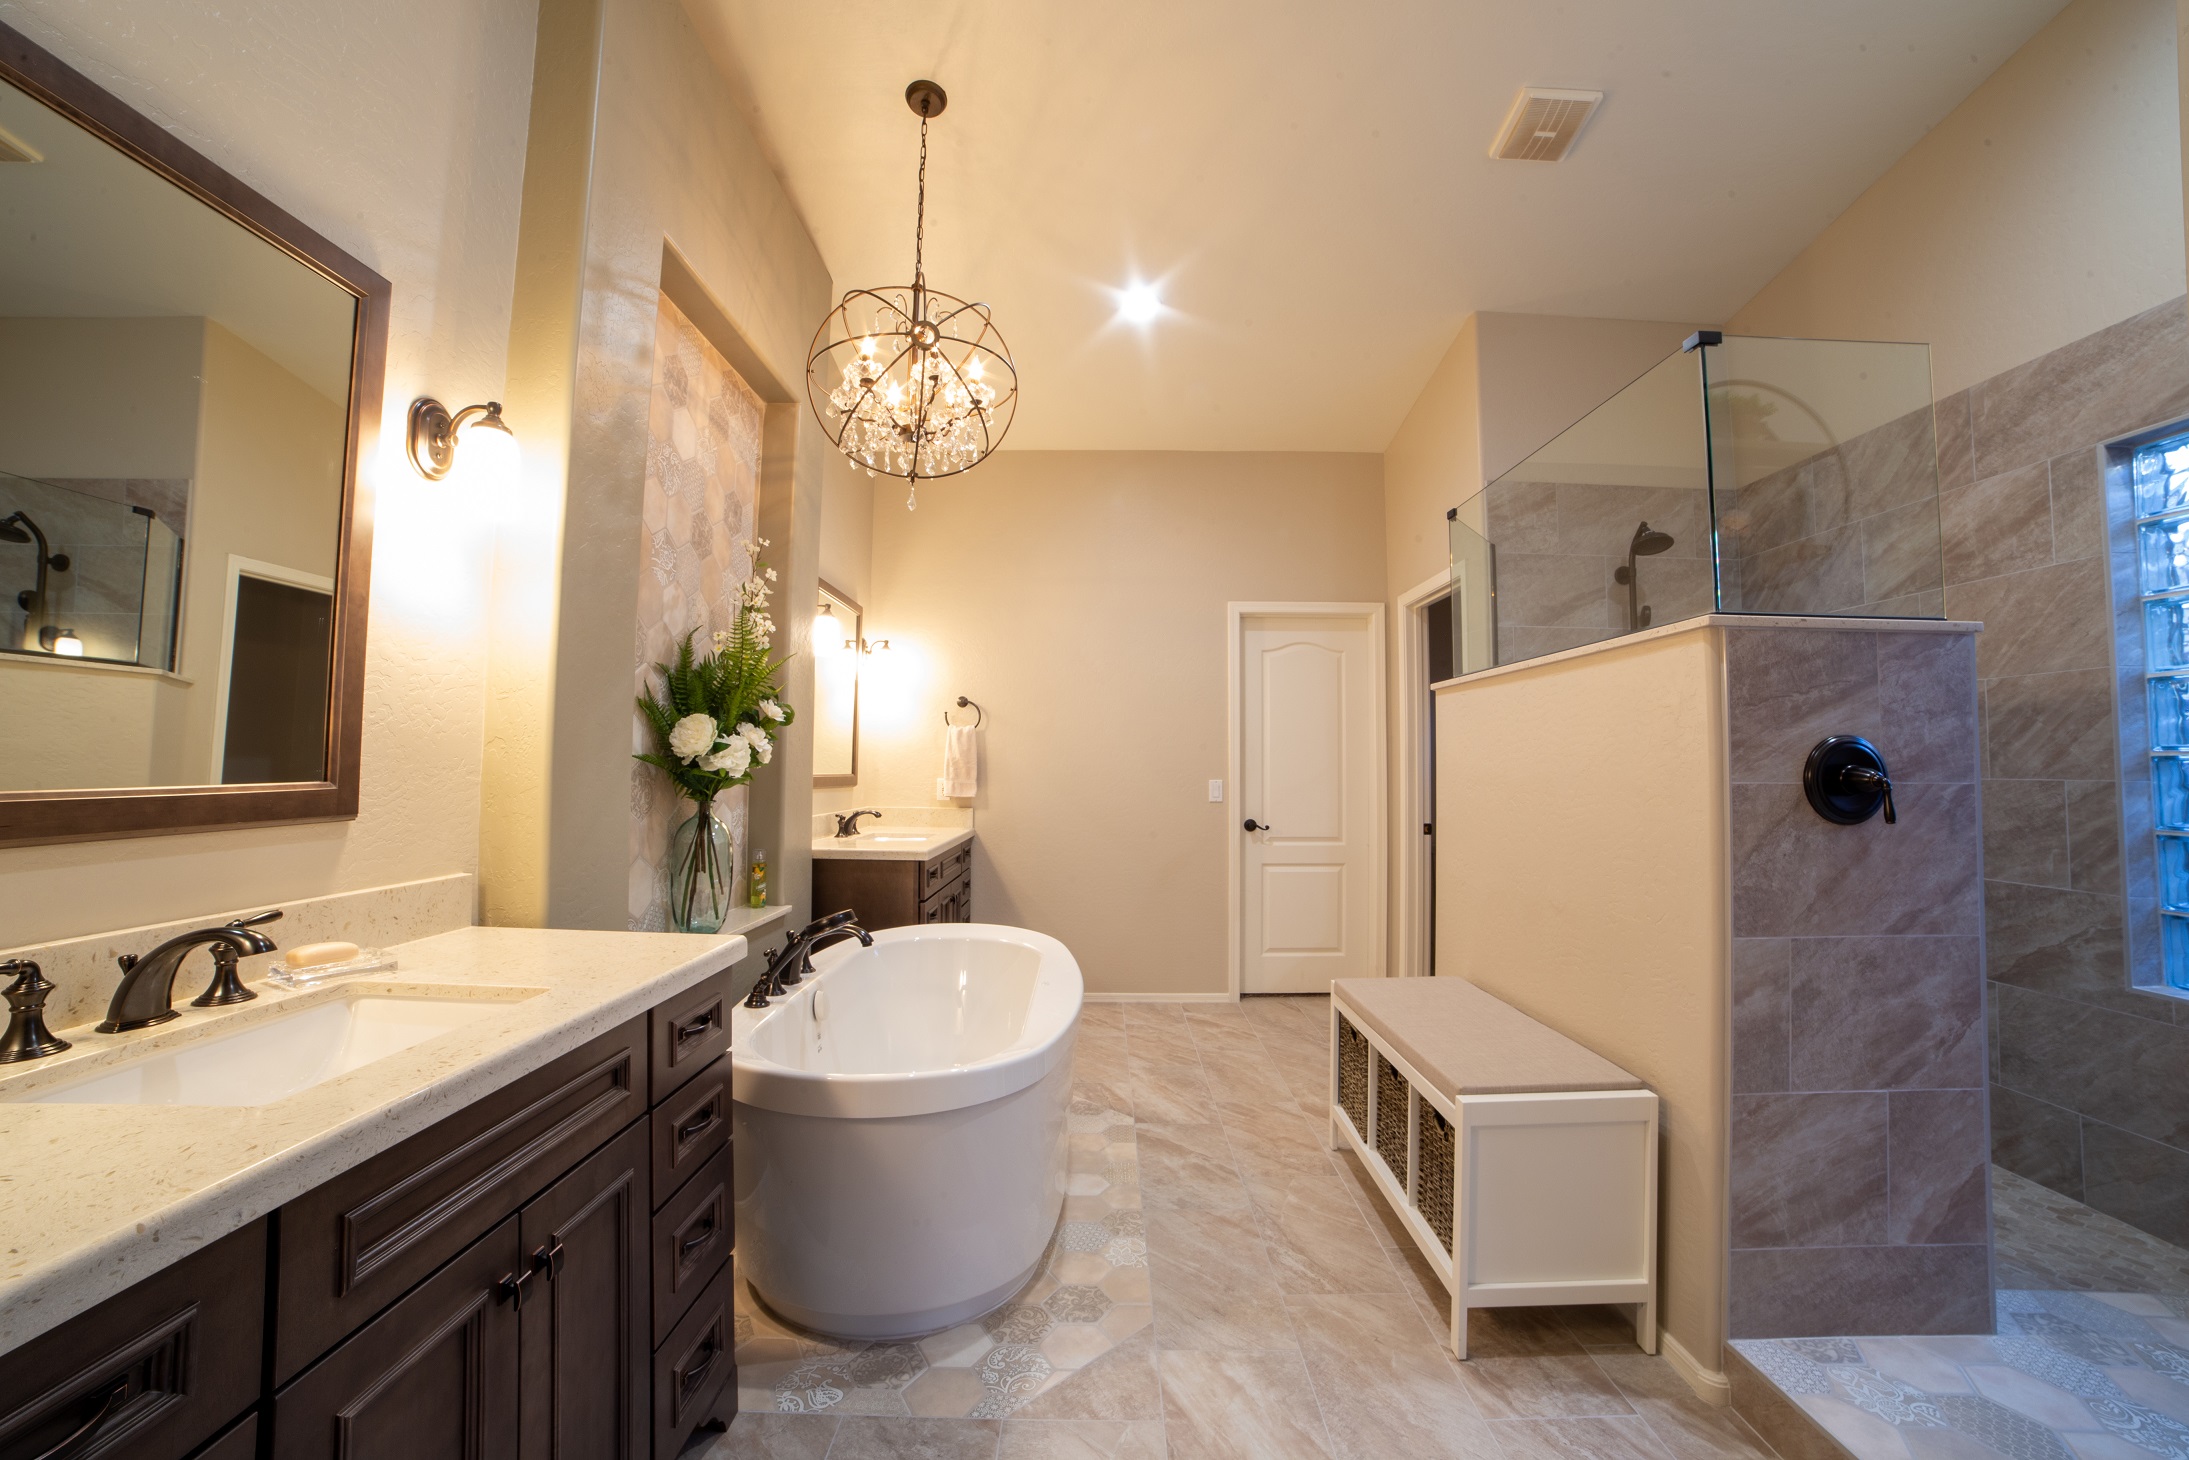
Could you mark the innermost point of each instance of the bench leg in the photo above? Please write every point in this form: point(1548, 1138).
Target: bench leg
point(1459, 1327)
point(1335, 1140)
point(1645, 1324)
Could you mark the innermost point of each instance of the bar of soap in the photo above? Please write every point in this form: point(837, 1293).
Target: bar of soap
point(311, 955)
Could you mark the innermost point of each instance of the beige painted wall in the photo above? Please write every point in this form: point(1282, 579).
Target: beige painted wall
point(1509, 383)
point(2045, 207)
point(1080, 598)
point(602, 202)
point(410, 157)
point(1597, 900)
point(100, 397)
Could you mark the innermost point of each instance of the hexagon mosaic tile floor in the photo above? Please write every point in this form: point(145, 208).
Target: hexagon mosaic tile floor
point(1222, 1287)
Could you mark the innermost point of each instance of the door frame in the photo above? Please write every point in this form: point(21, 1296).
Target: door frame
point(240, 568)
point(1237, 617)
point(1412, 956)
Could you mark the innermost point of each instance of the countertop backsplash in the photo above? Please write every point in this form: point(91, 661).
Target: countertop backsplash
point(957, 817)
point(85, 974)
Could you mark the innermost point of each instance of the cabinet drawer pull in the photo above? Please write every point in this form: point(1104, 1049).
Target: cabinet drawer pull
point(696, 1375)
point(696, 1028)
point(513, 1287)
point(697, 1240)
point(549, 1260)
point(90, 1427)
point(698, 1125)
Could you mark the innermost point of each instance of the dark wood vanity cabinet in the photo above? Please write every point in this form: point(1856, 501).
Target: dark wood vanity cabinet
point(895, 894)
point(543, 1275)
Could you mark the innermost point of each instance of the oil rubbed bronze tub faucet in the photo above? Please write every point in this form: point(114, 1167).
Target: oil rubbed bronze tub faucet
point(794, 960)
point(147, 993)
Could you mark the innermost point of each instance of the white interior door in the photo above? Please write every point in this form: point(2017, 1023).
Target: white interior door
point(1311, 909)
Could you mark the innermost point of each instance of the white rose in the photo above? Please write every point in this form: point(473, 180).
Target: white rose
point(752, 732)
point(692, 737)
point(771, 709)
point(734, 756)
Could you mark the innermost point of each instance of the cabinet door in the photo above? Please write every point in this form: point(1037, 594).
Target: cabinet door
point(433, 1378)
point(585, 1311)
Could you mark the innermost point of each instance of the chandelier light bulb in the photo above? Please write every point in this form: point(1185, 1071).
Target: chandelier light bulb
point(908, 381)
point(1139, 304)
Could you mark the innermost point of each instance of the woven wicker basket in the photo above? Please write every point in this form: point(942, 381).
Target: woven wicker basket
point(1434, 1156)
point(1353, 1075)
point(1391, 1117)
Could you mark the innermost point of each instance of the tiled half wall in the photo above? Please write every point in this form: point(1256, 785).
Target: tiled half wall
point(2090, 1076)
point(1859, 1147)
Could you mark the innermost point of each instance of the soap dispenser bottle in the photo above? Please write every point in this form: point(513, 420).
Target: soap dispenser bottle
point(759, 896)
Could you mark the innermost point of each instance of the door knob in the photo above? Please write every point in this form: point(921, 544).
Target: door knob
point(1253, 825)
point(1846, 781)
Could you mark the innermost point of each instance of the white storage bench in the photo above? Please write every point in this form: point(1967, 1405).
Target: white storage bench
point(1523, 1165)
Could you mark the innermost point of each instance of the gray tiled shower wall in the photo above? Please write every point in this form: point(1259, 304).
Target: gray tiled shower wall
point(1859, 1154)
point(2090, 1077)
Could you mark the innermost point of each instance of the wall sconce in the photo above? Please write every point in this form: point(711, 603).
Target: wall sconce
point(490, 447)
point(868, 646)
point(61, 641)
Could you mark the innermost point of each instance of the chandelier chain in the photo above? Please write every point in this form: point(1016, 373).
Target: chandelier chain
point(919, 226)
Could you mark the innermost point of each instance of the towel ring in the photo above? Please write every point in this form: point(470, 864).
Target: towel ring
point(965, 704)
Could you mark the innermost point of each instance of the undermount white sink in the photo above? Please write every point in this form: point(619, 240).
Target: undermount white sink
point(256, 1061)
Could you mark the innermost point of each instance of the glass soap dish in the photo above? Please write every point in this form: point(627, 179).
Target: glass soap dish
point(369, 960)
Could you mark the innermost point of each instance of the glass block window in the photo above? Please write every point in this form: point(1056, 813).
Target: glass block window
point(2160, 479)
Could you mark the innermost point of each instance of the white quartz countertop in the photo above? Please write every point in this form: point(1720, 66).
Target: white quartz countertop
point(905, 844)
point(94, 1198)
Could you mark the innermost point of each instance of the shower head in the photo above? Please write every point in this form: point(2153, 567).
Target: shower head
point(1648, 542)
point(12, 529)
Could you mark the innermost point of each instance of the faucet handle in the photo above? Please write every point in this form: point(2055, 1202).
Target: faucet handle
point(269, 916)
point(27, 1037)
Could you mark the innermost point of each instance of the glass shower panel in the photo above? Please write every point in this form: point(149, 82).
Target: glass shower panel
point(86, 573)
point(1824, 477)
point(2159, 476)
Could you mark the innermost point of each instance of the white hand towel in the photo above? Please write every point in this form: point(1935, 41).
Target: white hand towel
point(960, 763)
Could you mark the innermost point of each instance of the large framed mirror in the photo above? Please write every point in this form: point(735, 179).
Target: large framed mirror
point(189, 377)
point(837, 642)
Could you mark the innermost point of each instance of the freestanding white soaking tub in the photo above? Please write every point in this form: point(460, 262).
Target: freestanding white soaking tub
point(900, 1128)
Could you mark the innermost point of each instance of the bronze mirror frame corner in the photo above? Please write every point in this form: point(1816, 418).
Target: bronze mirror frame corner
point(33, 817)
point(858, 632)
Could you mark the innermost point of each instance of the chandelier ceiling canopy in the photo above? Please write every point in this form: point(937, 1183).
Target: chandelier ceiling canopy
point(908, 381)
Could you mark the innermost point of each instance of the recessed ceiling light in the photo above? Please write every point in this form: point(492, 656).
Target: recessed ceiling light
point(1138, 303)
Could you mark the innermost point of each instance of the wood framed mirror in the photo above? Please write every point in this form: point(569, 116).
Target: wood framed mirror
point(838, 644)
point(189, 378)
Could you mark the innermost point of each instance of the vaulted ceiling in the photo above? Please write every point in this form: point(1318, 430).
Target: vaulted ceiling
point(1309, 181)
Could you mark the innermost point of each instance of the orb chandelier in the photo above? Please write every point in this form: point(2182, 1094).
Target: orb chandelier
point(908, 381)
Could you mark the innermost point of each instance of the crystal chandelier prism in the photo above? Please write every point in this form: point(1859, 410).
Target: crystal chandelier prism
point(908, 381)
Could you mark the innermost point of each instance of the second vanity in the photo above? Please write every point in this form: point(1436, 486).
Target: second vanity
point(896, 876)
point(479, 1206)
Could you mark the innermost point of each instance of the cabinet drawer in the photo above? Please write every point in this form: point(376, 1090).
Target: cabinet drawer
point(150, 1374)
point(433, 1378)
point(694, 1368)
point(945, 869)
point(690, 1127)
point(692, 1238)
point(953, 904)
point(689, 1031)
point(356, 1244)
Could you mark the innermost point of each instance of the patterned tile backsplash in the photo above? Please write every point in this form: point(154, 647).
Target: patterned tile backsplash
point(85, 973)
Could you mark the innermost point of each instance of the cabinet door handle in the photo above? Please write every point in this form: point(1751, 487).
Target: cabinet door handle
point(513, 1287)
point(698, 1125)
point(549, 1260)
point(697, 1240)
point(697, 1374)
point(89, 1427)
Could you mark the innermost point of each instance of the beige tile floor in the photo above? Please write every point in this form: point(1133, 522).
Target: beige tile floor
point(1265, 1309)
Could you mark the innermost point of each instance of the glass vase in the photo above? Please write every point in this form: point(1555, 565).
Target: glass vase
point(701, 870)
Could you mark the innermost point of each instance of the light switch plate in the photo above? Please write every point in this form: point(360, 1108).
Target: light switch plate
point(1216, 790)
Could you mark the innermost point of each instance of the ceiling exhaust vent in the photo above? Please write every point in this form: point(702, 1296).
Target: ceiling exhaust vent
point(1544, 124)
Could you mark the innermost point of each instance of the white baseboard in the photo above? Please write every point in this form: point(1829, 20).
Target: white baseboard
point(1215, 998)
point(1710, 1385)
